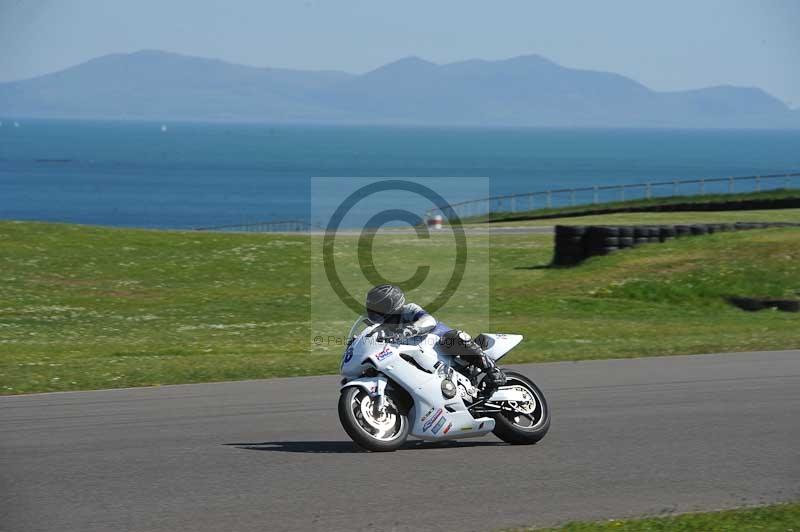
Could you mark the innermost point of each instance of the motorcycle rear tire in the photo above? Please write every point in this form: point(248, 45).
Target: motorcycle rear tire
point(506, 430)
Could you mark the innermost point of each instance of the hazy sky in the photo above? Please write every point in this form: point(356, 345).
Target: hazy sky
point(675, 44)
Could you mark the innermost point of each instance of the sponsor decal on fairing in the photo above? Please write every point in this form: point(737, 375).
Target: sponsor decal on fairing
point(428, 424)
point(386, 353)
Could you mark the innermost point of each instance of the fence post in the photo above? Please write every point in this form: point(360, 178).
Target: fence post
point(549, 199)
point(649, 192)
point(758, 183)
point(622, 193)
point(594, 200)
point(730, 185)
point(702, 186)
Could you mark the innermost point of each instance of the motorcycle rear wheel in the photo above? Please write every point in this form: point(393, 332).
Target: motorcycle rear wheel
point(523, 428)
point(384, 433)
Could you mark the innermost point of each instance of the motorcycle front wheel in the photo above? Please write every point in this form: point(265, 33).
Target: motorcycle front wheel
point(523, 423)
point(374, 431)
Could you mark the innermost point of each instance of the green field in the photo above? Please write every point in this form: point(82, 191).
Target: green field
point(86, 307)
point(776, 518)
point(584, 209)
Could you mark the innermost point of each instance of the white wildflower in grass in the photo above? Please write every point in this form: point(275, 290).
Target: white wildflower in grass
point(144, 317)
point(221, 326)
point(36, 309)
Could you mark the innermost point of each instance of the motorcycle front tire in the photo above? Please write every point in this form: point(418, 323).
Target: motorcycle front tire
point(355, 429)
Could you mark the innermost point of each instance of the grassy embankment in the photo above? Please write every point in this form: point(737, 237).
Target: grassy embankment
point(86, 307)
point(776, 518)
point(545, 215)
point(659, 218)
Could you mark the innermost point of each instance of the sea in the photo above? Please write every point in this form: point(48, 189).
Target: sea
point(188, 175)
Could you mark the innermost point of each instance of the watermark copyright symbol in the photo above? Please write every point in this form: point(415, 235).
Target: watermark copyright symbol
point(366, 242)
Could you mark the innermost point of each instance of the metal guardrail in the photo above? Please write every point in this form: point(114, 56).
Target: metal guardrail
point(565, 197)
point(280, 226)
point(573, 197)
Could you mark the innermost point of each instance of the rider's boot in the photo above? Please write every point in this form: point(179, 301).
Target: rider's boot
point(493, 377)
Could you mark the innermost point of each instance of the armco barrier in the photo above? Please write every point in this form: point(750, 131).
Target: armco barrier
point(511, 204)
point(576, 243)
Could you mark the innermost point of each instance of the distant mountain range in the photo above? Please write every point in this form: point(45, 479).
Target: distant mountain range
point(524, 91)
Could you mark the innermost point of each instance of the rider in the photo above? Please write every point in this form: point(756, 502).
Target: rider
point(386, 304)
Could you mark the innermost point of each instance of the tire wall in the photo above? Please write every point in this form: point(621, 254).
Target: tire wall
point(576, 243)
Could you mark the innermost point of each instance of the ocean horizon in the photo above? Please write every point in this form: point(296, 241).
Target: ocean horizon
point(199, 174)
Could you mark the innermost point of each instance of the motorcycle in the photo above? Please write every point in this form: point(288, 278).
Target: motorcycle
point(394, 387)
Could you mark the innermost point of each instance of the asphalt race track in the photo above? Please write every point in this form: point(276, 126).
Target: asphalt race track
point(629, 437)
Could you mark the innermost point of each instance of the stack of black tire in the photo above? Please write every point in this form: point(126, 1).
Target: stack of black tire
point(754, 304)
point(576, 243)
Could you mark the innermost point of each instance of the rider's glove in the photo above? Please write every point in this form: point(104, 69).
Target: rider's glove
point(408, 332)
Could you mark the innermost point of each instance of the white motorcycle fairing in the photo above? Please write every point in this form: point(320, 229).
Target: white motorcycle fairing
point(372, 385)
point(432, 416)
point(394, 387)
point(498, 345)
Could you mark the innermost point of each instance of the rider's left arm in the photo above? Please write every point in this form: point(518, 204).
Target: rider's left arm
point(420, 321)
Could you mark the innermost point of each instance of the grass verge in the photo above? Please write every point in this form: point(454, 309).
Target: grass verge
point(86, 307)
point(639, 205)
point(776, 518)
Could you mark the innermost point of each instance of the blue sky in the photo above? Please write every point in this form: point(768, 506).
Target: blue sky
point(666, 45)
